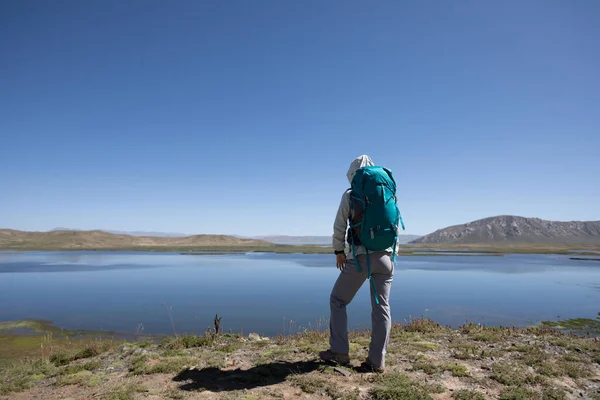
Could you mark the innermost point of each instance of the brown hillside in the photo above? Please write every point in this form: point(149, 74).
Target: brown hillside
point(67, 239)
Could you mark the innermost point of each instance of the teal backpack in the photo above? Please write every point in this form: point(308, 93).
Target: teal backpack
point(376, 214)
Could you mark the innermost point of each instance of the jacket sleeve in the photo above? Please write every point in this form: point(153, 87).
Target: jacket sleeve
point(341, 223)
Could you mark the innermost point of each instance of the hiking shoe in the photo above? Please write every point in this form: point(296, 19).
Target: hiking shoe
point(339, 358)
point(367, 367)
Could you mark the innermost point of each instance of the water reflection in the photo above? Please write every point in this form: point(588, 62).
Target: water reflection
point(260, 292)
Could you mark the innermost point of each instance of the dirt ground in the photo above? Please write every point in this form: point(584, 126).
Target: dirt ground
point(424, 361)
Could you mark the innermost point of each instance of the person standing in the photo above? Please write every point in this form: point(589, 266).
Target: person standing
point(379, 269)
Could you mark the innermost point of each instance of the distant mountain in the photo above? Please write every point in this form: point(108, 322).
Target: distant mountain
point(132, 233)
point(295, 239)
point(149, 233)
point(510, 229)
point(97, 239)
point(402, 239)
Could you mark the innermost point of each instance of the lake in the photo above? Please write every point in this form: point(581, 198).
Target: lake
point(281, 293)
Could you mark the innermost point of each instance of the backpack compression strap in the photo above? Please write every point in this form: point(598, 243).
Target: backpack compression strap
point(370, 278)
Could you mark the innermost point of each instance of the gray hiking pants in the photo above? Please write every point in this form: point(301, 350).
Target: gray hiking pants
point(346, 286)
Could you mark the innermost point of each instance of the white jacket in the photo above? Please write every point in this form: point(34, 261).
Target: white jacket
point(340, 224)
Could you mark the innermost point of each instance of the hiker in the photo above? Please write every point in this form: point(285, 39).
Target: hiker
point(380, 269)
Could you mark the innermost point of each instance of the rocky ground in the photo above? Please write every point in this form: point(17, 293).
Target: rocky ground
point(424, 361)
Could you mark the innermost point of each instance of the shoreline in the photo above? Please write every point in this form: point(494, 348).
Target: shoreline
point(404, 250)
point(582, 327)
point(425, 361)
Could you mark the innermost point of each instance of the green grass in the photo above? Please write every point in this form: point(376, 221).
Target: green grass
point(517, 393)
point(92, 349)
point(487, 337)
point(571, 365)
point(88, 366)
point(37, 326)
point(431, 368)
point(422, 325)
point(397, 386)
point(314, 384)
point(276, 352)
point(526, 372)
point(18, 376)
point(426, 366)
point(308, 383)
point(125, 391)
point(573, 370)
point(457, 370)
point(466, 394)
point(553, 394)
point(534, 357)
point(575, 324)
point(229, 348)
point(187, 342)
point(464, 350)
point(514, 375)
point(144, 365)
point(82, 377)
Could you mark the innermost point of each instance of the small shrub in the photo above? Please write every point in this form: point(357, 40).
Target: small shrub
point(124, 392)
point(517, 393)
point(144, 344)
point(430, 368)
point(423, 325)
point(426, 366)
point(534, 357)
point(141, 365)
point(463, 355)
point(397, 386)
point(548, 368)
point(64, 357)
point(78, 378)
point(138, 364)
point(187, 342)
point(308, 383)
point(88, 366)
point(466, 394)
point(174, 353)
point(17, 377)
point(488, 337)
point(175, 394)
point(229, 348)
point(553, 394)
point(512, 375)
point(573, 369)
point(457, 370)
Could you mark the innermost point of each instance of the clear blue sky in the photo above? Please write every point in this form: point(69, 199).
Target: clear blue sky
point(242, 116)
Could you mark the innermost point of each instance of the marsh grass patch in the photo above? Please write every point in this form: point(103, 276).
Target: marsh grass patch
point(125, 391)
point(398, 386)
point(467, 394)
point(512, 374)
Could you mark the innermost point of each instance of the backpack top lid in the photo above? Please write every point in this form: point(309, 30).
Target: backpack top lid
point(367, 179)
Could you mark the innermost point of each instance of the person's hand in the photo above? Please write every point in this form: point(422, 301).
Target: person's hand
point(340, 261)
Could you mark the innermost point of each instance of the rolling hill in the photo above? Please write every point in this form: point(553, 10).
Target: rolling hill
point(510, 229)
point(402, 239)
point(96, 239)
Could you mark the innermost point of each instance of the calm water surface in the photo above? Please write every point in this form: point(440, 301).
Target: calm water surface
point(125, 291)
